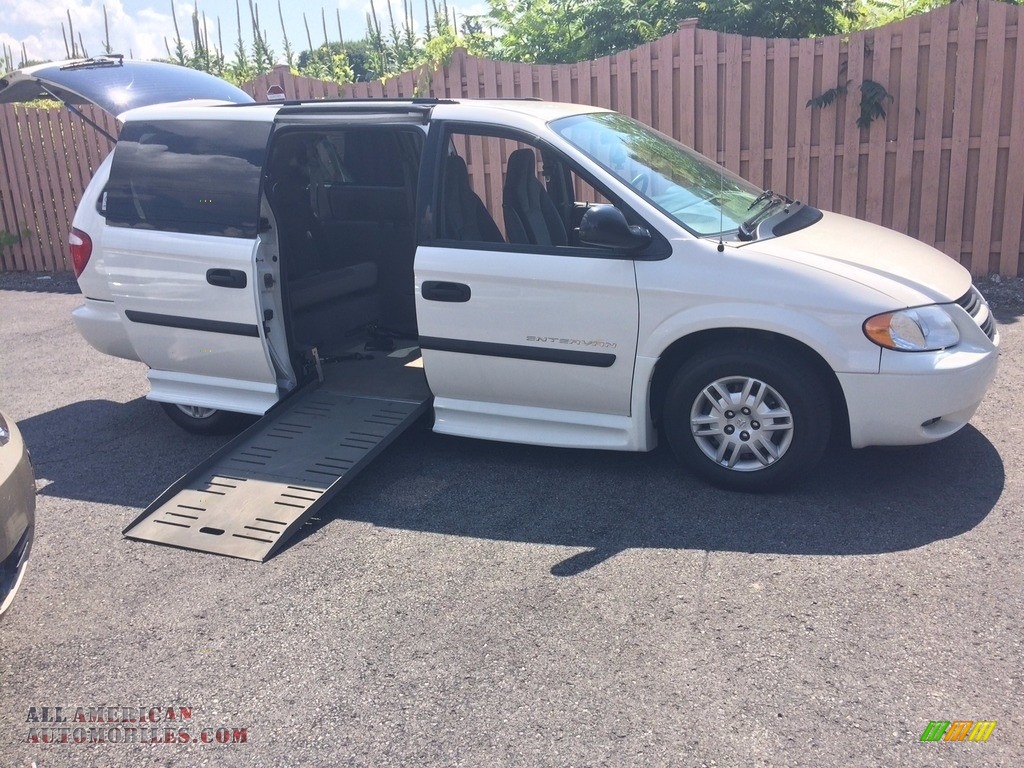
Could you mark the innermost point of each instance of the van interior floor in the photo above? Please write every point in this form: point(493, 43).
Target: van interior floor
point(392, 374)
point(258, 489)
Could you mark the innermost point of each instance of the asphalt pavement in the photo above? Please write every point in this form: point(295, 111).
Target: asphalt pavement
point(465, 603)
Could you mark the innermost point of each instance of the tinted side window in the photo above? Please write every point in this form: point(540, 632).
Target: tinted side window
point(195, 176)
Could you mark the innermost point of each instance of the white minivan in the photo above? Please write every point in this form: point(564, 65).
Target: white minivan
point(569, 276)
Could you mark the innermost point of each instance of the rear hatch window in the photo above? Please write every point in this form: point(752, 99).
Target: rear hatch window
point(115, 84)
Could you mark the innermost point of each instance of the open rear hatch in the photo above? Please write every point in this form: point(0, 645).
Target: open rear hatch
point(115, 84)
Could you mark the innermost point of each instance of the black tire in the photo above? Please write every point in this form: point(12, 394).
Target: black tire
point(766, 449)
point(206, 421)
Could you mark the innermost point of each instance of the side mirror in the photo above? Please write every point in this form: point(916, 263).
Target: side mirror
point(606, 226)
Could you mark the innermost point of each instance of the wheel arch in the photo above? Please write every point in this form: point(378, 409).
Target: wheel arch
point(685, 348)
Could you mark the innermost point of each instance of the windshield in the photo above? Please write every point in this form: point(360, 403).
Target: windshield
point(702, 196)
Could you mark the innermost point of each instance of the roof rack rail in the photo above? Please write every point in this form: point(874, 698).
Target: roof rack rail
point(324, 106)
point(373, 100)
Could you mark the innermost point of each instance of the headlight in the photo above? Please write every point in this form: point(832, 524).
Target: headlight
point(921, 329)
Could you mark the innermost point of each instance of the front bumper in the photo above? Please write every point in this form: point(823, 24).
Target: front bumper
point(17, 513)
point(917, 397)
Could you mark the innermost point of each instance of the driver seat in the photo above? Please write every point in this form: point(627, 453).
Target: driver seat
point(530, 214)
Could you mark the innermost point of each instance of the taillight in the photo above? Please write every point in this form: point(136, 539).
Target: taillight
point(81, 250)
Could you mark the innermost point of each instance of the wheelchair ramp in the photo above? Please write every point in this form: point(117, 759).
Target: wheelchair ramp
point(253, 494)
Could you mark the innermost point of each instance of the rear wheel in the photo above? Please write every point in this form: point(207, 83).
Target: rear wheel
point(205, 421)
point(748, 419)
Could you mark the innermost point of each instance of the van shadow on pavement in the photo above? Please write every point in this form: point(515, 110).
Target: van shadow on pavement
point(856, 502)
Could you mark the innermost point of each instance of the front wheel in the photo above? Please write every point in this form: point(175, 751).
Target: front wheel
point(747, 420)
point(204, 421)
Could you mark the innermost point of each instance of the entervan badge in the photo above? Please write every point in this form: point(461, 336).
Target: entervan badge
point(600, 344)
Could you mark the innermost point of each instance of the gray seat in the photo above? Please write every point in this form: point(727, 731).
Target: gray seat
point(325, 286)
point(530, 215)
point(465, 215)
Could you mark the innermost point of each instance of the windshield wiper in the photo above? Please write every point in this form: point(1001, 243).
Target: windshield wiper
point(768, 201)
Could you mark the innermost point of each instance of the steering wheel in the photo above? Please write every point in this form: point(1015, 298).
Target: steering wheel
point(641, 182)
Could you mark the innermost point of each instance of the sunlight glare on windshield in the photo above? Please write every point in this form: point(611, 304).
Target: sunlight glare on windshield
point(702, 196)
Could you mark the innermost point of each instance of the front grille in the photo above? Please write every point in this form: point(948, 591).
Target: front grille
point(976, 306)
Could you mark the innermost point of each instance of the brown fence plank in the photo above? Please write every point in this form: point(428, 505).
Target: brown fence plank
point(938, 37)
point(472, 90)
point(780, 115)
point(644, 83)
point(78, 168)
point(852, 134)
point(603, 72)
point(758, 121)
point(1011, 248)
point(508, 80)
point(490, 79)
point(733, 98)
point(623, 84)
point(665, 105)
point(49, 154)
point(828, 121)
point(990, 102)
point(60, 180)
point(437, 83)
point(906, 108)
point(29, 250)
point(880, 73)
point(10, 218)
point(584, 76)
point(687, 107)
point(43, 200)
point(806, 56)
point(707, 46)
point(960, 146)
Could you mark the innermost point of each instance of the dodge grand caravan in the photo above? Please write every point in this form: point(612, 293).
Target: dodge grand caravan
point(555, 274)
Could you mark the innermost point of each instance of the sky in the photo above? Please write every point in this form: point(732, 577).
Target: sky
point(141, 26)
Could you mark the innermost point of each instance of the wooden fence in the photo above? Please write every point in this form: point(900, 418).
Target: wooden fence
point(936, 167)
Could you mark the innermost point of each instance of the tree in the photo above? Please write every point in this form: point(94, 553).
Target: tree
point(562, 31)
point(779, 18)
point(878, 13)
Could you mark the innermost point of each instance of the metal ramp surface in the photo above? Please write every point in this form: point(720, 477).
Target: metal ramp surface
point(254, 493)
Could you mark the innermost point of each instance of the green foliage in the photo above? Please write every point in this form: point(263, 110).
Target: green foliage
point(11, 238)
point(872, 100)
point(778, 18)
point(877, 13)
point(873, 95)
point(328, 62)
point(563, 31)
point(826, 98)
point(533, 31)
point(394, 47)
point(541, 31)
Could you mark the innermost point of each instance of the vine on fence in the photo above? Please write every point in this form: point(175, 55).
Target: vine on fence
point(873, 95)
point(11, 238)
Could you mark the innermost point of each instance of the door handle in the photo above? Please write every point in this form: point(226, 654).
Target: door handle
point(436, 290)
point(226, 278)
